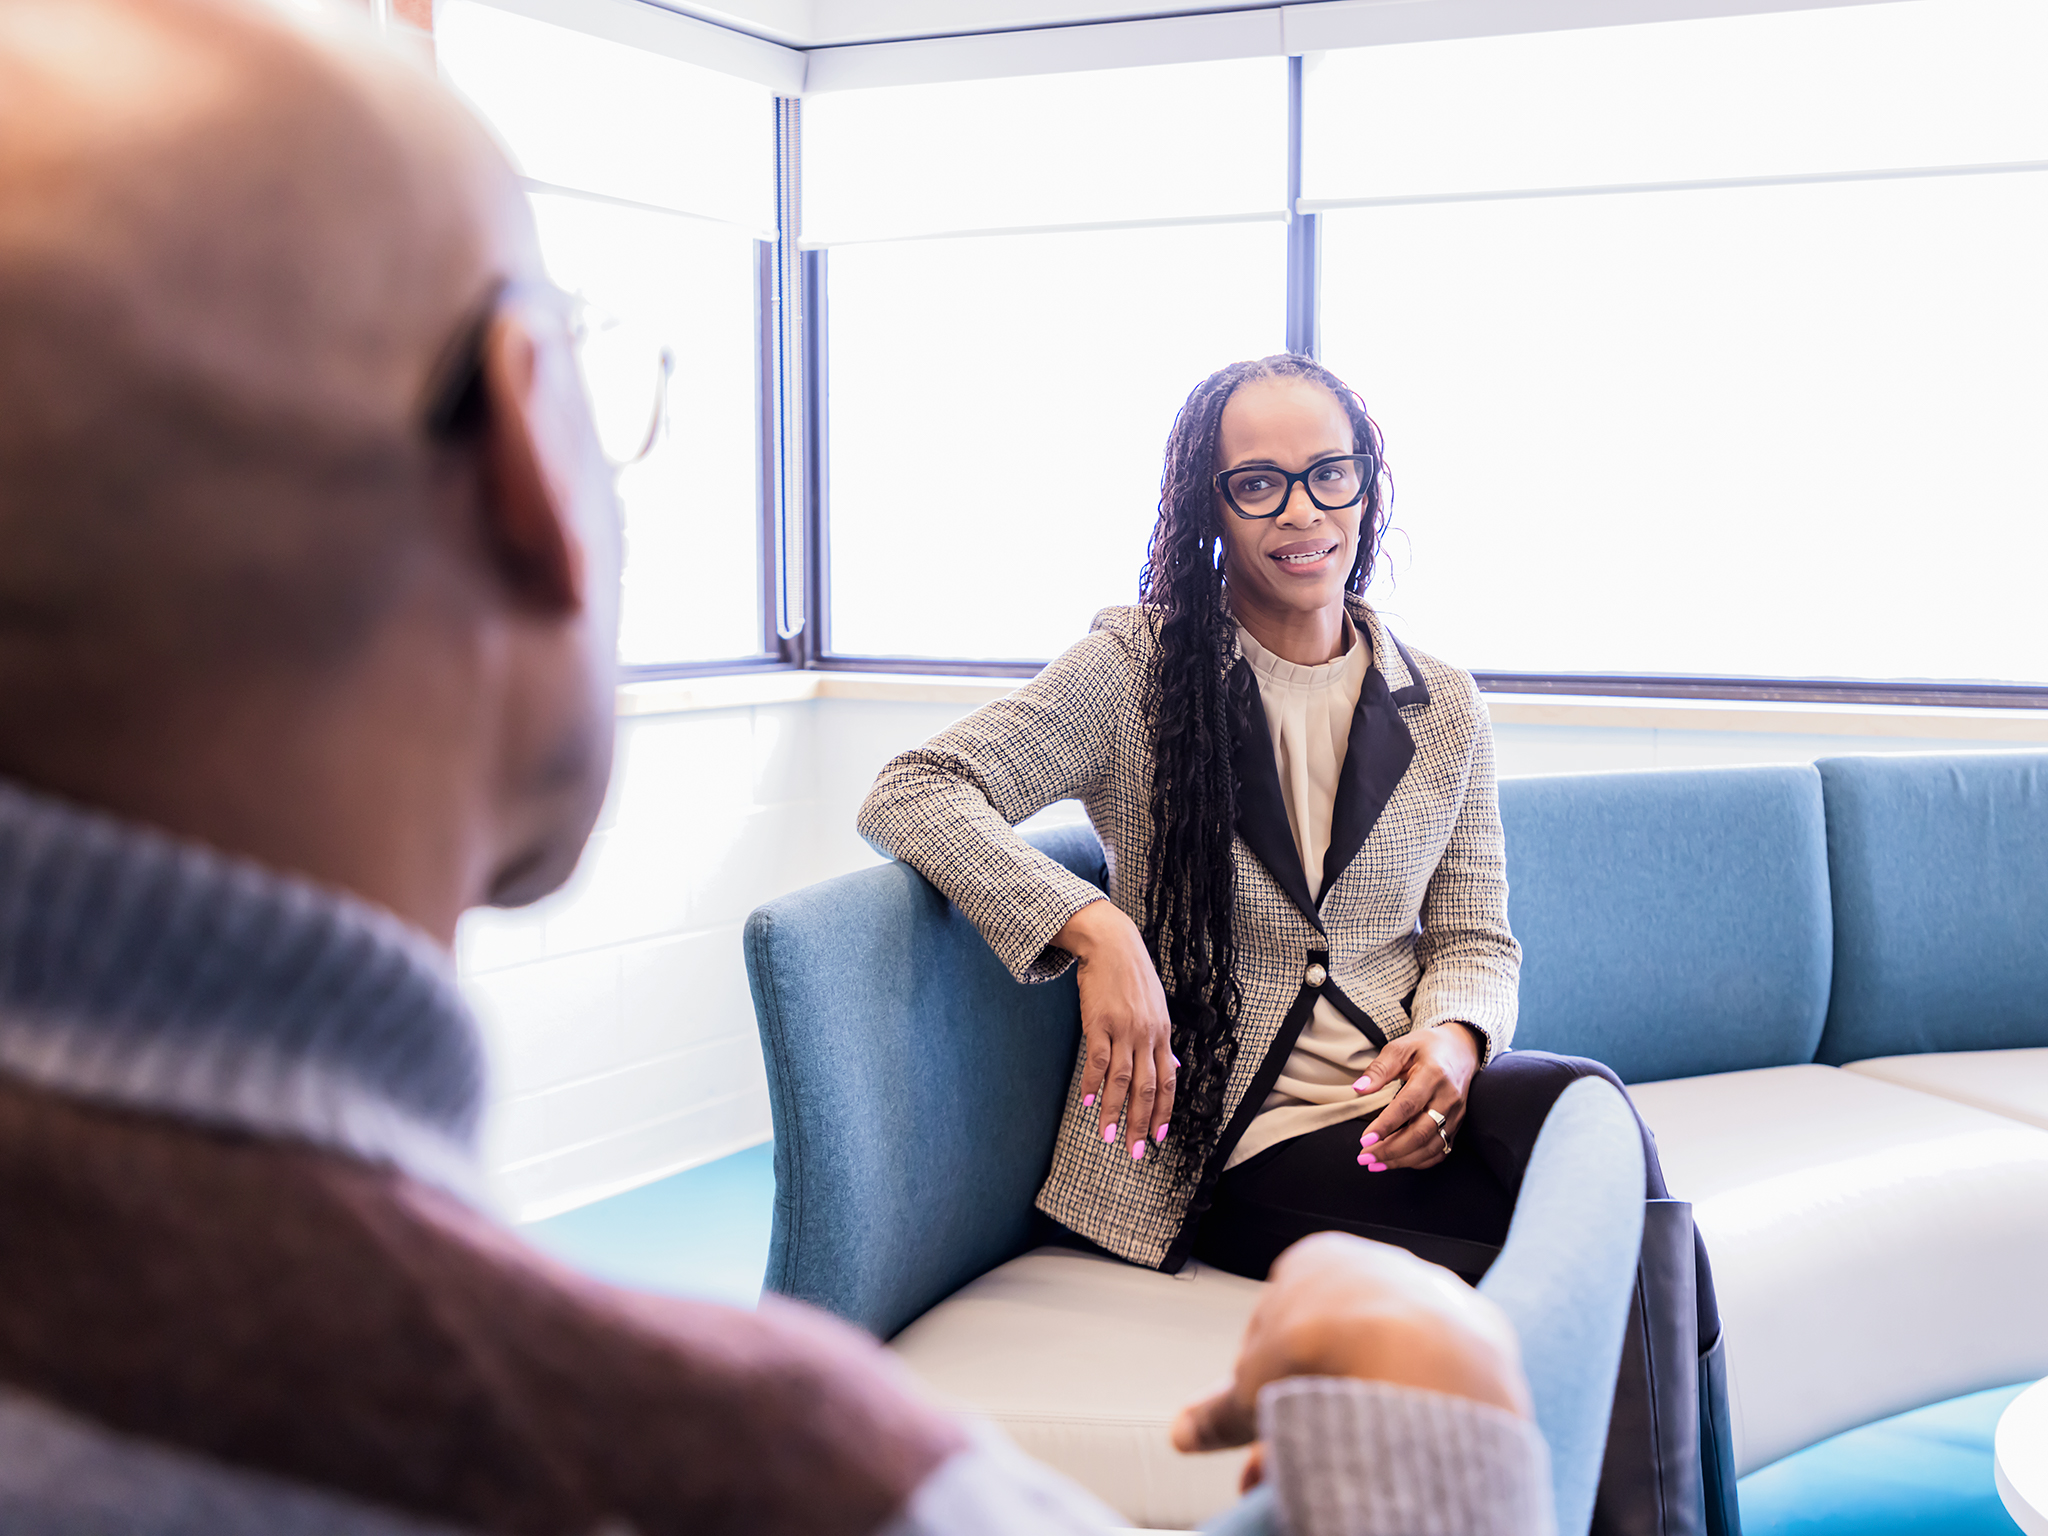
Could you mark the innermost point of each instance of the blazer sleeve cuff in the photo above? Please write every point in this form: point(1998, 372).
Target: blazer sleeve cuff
point(1478, 1006)
point(1032, 956)
point(1018, 898)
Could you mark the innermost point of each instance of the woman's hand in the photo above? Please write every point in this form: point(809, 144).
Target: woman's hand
point(1436, 1066)
point(1131, 1065)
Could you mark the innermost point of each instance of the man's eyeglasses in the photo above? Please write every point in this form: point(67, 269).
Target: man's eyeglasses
point(1333, 484)
point(625, 370)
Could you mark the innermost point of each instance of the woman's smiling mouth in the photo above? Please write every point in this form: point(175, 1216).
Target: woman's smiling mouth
point(1307, 553)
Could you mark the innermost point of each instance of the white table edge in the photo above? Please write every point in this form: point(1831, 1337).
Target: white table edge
point(2031, 1404)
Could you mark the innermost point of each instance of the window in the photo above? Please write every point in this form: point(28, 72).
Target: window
point(652, 183)
point(1705, 347)
point(1024, 280)
point(1105, 146)
point(999, 409)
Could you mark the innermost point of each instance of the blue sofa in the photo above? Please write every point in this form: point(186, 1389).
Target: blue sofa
point(1827, 987)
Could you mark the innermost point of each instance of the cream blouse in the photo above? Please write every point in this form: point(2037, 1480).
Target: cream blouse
point(1308, 714)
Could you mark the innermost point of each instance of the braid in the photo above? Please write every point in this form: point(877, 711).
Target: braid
point(1190, 875)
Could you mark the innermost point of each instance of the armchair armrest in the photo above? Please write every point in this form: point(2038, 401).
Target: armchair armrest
point(915, 1089)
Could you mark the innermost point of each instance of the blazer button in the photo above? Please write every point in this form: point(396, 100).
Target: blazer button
point(1315, 976)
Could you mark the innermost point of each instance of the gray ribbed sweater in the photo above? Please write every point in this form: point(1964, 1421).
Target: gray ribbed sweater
point(144, 970)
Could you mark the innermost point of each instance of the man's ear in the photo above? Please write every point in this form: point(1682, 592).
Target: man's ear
point(527, 472)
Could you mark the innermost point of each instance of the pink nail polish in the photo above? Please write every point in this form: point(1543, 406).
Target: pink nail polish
point(1368, 1138)
point(1109, 1133)
point(1363, 1085)
point(1159, 1134)
point(1087, 1101)
point(1377, 1168)
point(1364, 1160)
point(1137, 1151)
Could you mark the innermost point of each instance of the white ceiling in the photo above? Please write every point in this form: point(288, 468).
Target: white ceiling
point(810, 46)
point(812, 24)
point(824, 23)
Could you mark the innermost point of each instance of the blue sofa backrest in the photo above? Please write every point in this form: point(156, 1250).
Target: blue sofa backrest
point(915, 1088)
point(1940, 873)
point(1672, 923)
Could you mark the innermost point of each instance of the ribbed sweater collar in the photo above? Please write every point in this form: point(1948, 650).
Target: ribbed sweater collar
point(143, 970)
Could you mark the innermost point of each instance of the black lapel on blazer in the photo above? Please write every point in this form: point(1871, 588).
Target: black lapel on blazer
point(1261, 812)
point(1247, 1111)
point(1379, 752)
point(1357, 1015)
point(1417, 691)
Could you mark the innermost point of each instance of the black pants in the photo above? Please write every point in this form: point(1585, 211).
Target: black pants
point(1456, 1214)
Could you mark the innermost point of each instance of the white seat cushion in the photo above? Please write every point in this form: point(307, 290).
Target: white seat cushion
point(1084, 1361)
point(1874, 1248)
point(2011, 1083)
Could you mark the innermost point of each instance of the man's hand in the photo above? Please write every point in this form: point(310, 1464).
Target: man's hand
point(1436, 1067)
point(1131, 1065)
point(1342, 1306)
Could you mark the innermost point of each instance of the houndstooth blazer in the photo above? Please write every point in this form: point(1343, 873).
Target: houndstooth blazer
point(1411, 930)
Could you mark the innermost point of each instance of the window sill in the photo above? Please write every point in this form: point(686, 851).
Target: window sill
point(1905, 722)
point(1993, 727)
point(742, 690)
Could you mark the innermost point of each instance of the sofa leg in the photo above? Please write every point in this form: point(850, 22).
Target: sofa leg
point(1650, 1481)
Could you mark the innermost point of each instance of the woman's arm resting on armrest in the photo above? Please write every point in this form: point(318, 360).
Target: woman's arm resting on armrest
point(949, 807)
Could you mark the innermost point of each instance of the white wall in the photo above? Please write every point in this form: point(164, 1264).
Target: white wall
point(621, 1030)
point(620, 1025)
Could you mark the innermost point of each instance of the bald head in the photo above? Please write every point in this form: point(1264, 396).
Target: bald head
point(245, 590)
point(229, 260)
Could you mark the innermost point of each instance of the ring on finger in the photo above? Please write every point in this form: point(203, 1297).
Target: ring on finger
point(1442, 1135)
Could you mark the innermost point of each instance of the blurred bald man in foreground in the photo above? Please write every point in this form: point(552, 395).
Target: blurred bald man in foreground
point(308, 558)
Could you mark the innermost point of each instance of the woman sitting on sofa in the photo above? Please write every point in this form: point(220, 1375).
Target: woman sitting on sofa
point(1298, 995)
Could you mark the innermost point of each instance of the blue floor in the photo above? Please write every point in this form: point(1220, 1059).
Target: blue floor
point(1927, 1473)
point(699, 1233)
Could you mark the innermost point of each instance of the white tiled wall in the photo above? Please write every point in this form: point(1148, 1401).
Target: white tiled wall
point(621, 1030)
point(617, 1011)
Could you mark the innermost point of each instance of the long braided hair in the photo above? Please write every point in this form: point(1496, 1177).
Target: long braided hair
point(1190, 880)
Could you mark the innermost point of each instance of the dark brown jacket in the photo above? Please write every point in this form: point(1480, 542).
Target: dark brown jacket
point(291, 1310)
